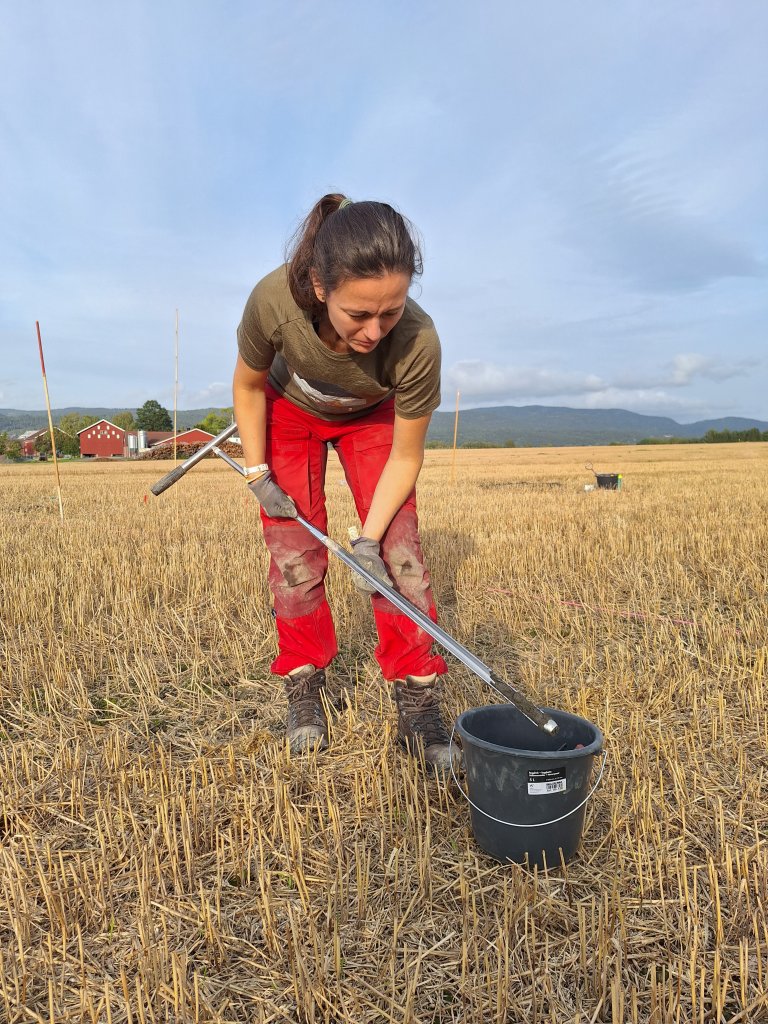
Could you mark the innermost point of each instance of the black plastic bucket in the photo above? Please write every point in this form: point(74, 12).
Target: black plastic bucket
point(527, 798)
point(608, 481)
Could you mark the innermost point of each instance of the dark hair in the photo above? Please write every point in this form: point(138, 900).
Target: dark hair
point(366, 239)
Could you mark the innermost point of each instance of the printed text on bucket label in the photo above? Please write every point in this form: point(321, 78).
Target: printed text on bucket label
point(545, 781)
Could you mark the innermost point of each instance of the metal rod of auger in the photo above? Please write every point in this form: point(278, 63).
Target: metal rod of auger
point(230, 461)
point(176, 474)
point(525, 706)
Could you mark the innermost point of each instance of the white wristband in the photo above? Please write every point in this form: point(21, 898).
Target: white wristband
point(256, 469)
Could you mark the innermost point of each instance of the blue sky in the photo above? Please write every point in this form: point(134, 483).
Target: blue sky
point(589, 180)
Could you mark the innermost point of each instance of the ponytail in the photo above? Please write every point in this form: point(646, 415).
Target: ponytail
point(340, 240)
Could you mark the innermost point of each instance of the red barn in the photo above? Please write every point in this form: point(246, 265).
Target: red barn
point(155, 437)
point(192, 436)
point(102, 439)
point(27, 441)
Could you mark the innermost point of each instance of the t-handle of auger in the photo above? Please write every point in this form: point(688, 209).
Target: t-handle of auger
point(178, 471)
point(168, 480)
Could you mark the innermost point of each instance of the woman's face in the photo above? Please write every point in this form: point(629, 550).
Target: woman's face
point(364, 310)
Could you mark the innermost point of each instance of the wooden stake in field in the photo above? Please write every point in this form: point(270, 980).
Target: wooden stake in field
point(50, 421)
point(175, 383)
point(455, 435)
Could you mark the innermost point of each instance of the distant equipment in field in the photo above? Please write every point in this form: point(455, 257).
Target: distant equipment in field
point(604, 481)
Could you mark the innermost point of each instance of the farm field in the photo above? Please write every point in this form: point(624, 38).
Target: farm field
point(163, 859)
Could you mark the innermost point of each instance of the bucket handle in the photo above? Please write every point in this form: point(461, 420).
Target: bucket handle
point(515, 824)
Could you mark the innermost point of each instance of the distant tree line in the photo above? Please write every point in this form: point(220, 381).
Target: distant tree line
point(152, 416)
point(11, 449)
point(509, 443)
point(712, 437)
point(215, 422)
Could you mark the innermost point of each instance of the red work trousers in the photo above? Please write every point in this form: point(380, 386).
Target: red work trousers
point(297, 454)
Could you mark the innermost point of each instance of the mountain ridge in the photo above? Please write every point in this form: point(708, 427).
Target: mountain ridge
point(526, 425)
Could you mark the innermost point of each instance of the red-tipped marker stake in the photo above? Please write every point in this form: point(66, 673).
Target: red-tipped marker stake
point(50, 421)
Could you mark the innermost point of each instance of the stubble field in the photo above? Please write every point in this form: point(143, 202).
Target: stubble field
point(163, 859)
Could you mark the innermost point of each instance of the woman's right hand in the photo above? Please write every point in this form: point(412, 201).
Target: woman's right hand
point(273, 498)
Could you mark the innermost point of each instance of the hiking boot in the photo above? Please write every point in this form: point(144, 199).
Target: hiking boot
point(420, 726)
point(307, 727)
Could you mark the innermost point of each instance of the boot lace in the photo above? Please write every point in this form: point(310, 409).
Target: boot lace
point(419, 708)
point(304, 704)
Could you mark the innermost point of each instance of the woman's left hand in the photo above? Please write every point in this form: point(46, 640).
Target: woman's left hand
point(367, 553)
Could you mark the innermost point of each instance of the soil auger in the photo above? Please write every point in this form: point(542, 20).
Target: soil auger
point(519, 700)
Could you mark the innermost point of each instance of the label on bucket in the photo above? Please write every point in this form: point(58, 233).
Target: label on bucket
point(542, 781)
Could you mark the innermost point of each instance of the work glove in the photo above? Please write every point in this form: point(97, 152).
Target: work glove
point(272, 498)
point(366, 551)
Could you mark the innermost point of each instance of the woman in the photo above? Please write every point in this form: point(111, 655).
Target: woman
point(332, 349)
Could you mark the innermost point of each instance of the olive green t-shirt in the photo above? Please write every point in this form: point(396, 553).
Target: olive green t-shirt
point(278, 335)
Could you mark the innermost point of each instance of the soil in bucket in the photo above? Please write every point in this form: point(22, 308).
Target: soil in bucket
point(516, 773)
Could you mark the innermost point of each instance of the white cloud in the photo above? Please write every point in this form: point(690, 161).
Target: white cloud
point(215, 394)
point(484, 383)
point(654, 402)
point(684, 369)
point(483, 380)
point(688, 366)
point(624, 215)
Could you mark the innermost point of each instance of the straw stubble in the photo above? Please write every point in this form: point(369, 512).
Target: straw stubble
point(163, 859)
